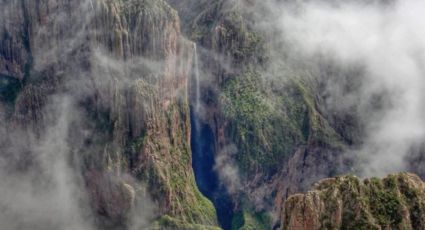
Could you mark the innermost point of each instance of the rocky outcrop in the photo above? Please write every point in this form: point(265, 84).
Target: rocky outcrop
point(346, 202)
point(307, 166)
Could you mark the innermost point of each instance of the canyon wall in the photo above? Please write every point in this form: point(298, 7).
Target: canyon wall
point(124, 67)
point(100, 102)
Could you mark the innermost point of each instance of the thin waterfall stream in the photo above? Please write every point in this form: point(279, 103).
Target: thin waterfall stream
point(197, 81)
point(203, 153)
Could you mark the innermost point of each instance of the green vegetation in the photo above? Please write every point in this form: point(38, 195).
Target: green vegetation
point(385, 204)
point(244, 101)
point(384, 201)
point(166, 222)
point(248, 221)
point(314, 127)
point(247, 46)
point(414, 200)
point(255, 127)
point(268, 125)
point(222, 25)
point(169, 174)
point(390, 203)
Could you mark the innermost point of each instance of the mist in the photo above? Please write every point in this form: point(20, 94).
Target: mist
point(43, 165)
point(377, 47)
point(49, 192)
point(386, 41)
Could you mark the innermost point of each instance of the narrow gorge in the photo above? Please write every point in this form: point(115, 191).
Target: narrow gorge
point(204, 152)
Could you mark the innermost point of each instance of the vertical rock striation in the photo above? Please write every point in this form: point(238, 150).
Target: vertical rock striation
point(125, 65)
point(395, 202)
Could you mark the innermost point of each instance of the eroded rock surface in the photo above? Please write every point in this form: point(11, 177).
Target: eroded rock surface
point(346, 202)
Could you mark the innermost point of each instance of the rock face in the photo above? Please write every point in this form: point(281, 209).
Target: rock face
point(395, 202)
point(271, 134)
point(125, 67)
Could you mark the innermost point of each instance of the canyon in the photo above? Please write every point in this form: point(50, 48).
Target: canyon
point(187, 114)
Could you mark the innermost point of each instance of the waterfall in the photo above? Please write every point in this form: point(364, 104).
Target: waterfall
point(197, 83)
point(203, 153)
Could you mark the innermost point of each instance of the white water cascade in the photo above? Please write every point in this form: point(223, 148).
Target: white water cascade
point(197, 104)
point(203, 151)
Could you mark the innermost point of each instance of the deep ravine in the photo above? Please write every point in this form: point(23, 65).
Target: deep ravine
point(203, 150)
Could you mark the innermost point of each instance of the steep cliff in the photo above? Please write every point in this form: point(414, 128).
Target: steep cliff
point(125, 67)
point(269, 128)
point(394, 202)
point(135, 113)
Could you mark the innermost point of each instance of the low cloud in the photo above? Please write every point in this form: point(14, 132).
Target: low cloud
point(386, 41)
point(44, 141)
point(227, 169)
point(47, 193)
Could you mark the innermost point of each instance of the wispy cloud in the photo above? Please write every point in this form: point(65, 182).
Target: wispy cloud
point(385, 40)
